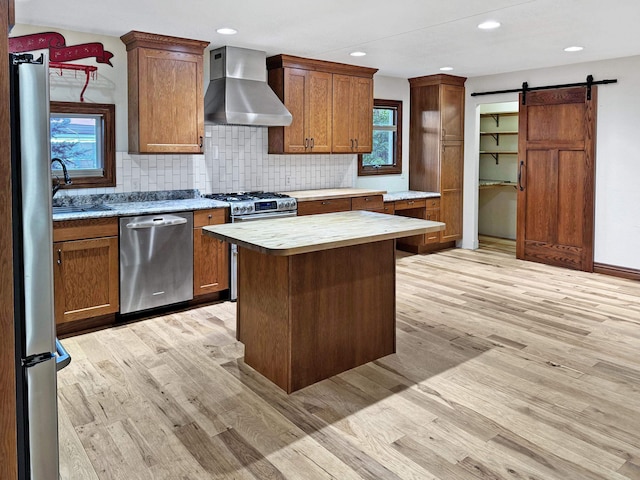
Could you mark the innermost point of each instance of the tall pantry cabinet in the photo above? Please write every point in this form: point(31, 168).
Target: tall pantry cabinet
point(436, 146)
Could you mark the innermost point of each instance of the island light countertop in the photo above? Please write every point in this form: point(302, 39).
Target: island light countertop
point(329, 193)
point(311, 233)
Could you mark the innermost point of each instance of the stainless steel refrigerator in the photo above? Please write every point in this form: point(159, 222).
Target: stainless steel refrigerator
point(36, 352)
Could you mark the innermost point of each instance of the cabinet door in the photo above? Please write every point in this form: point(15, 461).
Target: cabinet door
point(452, 112)
point(342, 135)
point(171, 104)
point(352, 114)
point(451, 215)
point(319, 88)
point(452, 166)
point(362, 114)
point(210, 264)
point(295, 82)
point(85, 278)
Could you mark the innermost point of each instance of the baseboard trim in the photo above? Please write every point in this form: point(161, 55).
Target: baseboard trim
point(623, 272)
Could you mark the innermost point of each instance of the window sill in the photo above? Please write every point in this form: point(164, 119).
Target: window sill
point(366, 171)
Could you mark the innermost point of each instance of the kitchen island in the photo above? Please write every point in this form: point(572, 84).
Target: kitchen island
point(316, 294)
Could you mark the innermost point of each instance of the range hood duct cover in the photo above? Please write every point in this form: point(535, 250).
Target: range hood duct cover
point(238, 93)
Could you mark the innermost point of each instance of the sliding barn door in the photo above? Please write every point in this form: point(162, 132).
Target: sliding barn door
point(556, 169)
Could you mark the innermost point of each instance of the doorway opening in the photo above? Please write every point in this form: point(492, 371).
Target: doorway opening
point(497, 175)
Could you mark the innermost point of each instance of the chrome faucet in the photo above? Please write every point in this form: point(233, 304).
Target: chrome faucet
point(65, 173)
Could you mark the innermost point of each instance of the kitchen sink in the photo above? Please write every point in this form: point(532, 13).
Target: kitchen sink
point(81, 208)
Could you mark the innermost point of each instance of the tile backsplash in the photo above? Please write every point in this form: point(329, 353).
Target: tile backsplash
point(235, 159)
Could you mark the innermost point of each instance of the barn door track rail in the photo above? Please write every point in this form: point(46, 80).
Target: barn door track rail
point(526, 88)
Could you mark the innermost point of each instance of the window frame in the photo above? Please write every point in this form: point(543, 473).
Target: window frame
point(108, 113)
point(396, 168)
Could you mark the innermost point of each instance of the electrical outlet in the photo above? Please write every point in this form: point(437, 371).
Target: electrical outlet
point(214, 152)
point(135, 185)
point(287, 180)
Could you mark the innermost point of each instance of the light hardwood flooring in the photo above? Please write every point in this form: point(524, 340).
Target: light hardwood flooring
point(504, 370)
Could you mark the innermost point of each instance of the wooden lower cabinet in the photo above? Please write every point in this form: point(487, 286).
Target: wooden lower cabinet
point(210, 255)
point(86, 278)
point(427, 209)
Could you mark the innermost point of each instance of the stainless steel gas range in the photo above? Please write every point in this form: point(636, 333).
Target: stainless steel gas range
point(251, 206)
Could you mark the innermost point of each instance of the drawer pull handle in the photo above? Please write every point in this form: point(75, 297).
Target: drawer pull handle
point(59, 257)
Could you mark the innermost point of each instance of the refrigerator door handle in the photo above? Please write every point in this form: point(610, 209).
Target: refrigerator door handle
point(32, 360)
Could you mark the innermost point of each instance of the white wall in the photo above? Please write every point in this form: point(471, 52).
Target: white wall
point(617, 215)
point(392, 88)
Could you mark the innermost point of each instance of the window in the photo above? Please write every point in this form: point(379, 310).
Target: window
point(83, 137)
point(386, 156)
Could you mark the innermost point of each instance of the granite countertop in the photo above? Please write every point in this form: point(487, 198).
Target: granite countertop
point(409, 195)
point(136, 203)
point(296, 235)
point(328, 193)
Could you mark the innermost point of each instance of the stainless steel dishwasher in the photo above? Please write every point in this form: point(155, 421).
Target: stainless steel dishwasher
point(156, 260)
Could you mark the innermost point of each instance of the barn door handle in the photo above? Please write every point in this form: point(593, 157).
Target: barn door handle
point(520, 165)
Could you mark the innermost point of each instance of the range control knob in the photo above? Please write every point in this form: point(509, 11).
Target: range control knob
point(236, 209)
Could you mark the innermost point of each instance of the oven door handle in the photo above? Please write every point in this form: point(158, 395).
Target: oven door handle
point(262, 216)
point(162, 221)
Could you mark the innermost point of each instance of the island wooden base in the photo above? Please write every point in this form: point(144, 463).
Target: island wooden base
point(307, 317)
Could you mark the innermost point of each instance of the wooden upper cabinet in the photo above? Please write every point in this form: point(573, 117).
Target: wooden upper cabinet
point(317, 112)
point(331, 104)
point(165, 86)
point(307, 96)
point(352, 114)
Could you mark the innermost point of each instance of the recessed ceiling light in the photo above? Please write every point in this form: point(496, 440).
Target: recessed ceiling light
point(227, 31)
point(357, 54)
point(573, 49)
point(446, 69)
point(489, 25)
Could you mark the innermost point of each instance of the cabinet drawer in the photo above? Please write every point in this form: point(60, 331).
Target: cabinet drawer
point(389, 208)
point(324, 206)
point(433, 202)
point(406, 204)
point(433, 214)
point(371, 202)
point(83, 229)
point(214, 216)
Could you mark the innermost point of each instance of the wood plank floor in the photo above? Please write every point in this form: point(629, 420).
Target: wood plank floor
point(504, 370)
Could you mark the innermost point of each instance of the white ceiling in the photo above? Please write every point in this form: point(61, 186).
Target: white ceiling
point(403, 38)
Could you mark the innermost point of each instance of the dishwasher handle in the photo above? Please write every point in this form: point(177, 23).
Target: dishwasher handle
point(161, 221)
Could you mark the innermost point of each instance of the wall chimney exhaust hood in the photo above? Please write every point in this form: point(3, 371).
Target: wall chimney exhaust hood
point(238, 93)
